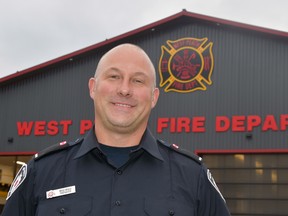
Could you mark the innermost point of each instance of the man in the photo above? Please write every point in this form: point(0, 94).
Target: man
point(119, 168)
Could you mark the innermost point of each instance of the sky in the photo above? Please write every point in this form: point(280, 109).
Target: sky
point(36, 31)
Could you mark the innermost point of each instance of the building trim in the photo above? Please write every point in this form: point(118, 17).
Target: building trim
point(240, 151)
point(17, 153)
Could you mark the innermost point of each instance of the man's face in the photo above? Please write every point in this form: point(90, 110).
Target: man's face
point(123, 90)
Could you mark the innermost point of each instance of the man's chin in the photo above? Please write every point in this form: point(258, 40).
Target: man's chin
point(124, 124)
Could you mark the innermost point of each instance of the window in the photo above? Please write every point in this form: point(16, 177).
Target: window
point(9, 166)
point(252, 184)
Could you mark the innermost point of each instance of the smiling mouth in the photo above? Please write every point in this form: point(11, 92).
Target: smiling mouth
point(122, 105)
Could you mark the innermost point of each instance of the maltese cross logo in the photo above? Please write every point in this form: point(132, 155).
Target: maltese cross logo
point(186, 64)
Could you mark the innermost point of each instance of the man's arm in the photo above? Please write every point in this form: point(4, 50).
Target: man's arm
point(20, 199)
point(211, 201)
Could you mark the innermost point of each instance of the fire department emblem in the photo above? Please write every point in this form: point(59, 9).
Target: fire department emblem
point(18, 180)
point(186, 64)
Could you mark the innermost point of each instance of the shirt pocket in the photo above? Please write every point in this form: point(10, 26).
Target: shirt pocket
point(72, 206)
point(168, 207)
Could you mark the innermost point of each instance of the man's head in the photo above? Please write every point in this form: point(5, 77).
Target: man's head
point(124, 90)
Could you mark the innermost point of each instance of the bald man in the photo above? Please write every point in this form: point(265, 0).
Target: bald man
point(118, 168)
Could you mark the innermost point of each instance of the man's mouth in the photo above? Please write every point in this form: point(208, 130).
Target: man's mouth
point(122, 105)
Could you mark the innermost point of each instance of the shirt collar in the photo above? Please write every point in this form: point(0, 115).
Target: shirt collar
point(148, 143)
point(89, 143)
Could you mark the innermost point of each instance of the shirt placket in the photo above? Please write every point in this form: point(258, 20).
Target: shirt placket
point(117, 199)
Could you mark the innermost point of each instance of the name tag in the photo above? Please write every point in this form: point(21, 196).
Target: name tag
point(60, 192)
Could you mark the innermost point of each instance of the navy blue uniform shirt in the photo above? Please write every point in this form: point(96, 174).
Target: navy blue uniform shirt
point(78, 180)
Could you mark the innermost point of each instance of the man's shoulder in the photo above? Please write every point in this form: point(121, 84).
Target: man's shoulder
point(58, 147)
point(178, 150)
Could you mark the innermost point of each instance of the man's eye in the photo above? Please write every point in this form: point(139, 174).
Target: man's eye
point(138, 81)
point(114, 76)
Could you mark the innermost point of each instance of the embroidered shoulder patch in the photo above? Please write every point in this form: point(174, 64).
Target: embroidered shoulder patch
point(212, 181)
point(18, 180)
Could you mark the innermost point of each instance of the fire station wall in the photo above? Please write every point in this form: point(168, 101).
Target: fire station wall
point(249, 79)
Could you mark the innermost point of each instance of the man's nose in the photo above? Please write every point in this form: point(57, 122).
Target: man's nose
point(125, 89)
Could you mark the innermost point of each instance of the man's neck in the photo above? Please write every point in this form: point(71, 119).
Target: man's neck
point(118, 139)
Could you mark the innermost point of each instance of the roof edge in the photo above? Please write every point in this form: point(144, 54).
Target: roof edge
point(183, 13)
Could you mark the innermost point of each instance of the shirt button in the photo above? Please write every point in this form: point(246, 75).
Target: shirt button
point(119, 172)
point(62, 211)
point(117, 202)
point(171, 212)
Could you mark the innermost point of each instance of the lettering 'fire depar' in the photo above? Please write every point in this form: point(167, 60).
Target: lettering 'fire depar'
point(235, 123)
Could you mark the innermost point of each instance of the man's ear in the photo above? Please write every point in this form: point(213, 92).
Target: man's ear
point(155, 96)
point(91, 85)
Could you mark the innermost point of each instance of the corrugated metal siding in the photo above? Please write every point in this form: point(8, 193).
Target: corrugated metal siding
point(61, 93)
point(249, 77)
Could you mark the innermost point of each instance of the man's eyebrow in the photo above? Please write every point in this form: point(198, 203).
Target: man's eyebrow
point(137, 73)
point(112, 69)
point(140, 73)
point(106, 71)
